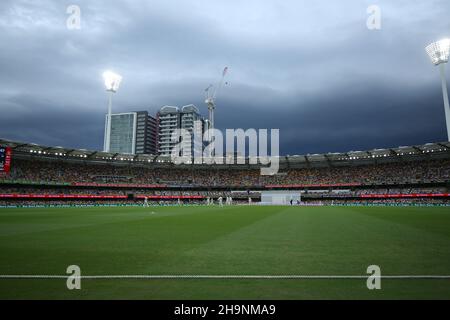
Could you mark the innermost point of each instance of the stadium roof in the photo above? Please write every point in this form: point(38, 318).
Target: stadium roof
point(429, 150)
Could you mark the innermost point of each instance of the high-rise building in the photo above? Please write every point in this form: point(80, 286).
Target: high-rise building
point(192, 121)
point(133, 133)
point(169, 121)
point(172, 118)
point(146, 134)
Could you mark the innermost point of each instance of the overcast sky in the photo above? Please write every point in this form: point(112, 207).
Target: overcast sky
point(310, 68)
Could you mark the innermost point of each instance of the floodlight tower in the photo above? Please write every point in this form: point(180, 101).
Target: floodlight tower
point(112, 83)
point(439, 53)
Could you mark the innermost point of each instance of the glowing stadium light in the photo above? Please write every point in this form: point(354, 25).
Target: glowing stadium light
point(439, 54)
point(439, 51)
point(112, 82)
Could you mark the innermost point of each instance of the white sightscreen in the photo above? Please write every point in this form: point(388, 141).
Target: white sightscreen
point(280, 197)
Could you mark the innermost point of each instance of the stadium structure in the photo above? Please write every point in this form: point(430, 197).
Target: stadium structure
point(42, 176)
point(129, 222)
point(64, 207)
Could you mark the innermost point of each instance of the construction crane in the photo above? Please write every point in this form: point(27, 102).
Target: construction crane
point(211, 95)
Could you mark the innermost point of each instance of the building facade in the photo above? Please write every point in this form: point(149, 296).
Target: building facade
point(171, 119)
point(146, 134)
point(133, 133)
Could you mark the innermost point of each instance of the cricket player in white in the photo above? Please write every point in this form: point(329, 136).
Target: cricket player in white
point(145, 202)
point(220, 201)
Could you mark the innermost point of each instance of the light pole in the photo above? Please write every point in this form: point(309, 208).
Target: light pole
point(439, 53)
point(112, 83)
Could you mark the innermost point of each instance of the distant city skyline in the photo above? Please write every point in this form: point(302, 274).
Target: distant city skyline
point(310, 68)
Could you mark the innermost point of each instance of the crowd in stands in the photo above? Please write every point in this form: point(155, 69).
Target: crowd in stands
point(375, 191)
point(58, 203)
point(402, 190)
point(125, 192)
point(216, 193)
point(210, 176)
point(318, 185)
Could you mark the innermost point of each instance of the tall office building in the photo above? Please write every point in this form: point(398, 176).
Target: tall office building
point(133, 133)
point(172, 118)
point(192, 121)
point(168, 119)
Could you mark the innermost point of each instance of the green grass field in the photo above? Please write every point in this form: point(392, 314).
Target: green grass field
point(225, 241)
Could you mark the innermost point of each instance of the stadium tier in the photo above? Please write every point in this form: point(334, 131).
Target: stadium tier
point(40, 175)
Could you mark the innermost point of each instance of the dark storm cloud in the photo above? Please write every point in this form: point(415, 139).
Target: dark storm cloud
point(310, 68)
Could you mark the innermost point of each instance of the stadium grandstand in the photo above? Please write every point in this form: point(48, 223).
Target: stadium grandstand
point(42, 176)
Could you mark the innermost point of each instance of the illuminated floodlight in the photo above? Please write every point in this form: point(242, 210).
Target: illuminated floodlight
point(439, 51)
point(112, 81)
